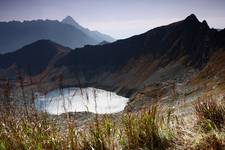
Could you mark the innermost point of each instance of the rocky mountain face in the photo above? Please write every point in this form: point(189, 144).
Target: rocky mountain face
point(168, 52)
point(185, 38)
point(15, 34)
point(146, 62)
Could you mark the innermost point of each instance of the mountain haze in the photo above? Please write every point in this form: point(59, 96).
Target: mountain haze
point(94, 34)
point(15, 34)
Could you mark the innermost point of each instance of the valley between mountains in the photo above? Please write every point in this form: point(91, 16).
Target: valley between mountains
point(168, 84)
point(167, 63)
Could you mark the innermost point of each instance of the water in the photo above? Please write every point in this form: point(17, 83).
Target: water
point(80, 100)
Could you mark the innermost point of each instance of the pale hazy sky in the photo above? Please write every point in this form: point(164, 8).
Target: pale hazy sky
point(118, 18)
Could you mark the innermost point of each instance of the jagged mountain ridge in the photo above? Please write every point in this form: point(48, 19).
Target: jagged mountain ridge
point(15, 34)
point(188, 37)
point(147, 58)
point(165, 53)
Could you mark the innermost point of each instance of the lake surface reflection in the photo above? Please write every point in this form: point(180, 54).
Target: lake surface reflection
point(80, 100)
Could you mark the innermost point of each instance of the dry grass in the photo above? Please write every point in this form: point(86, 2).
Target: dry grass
point(149, 129)
point(19, 130)
point(211, 141)
point(210, 113)
point(153, 128)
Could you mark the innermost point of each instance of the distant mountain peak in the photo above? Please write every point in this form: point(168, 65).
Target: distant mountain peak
point(103, 43)
point(42, 41)
point(43, 44)
point(69, 20)
point(192, 18)
point(93, 34)
point(69, 17)
point(205, 24)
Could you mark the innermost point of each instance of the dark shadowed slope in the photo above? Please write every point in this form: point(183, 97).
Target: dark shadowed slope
point(189, 38)
point(164, 53)
point(35, 57)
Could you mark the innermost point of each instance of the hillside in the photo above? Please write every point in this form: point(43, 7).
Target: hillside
point(172, 52)
point(33, 58)
point(159, 58)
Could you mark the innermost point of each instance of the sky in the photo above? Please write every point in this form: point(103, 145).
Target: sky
point(118, 18)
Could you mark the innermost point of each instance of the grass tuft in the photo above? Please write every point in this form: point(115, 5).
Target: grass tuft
point(210, 113)
point(147, 130)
